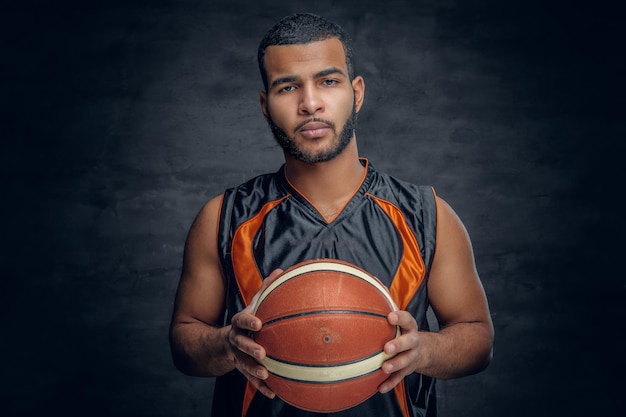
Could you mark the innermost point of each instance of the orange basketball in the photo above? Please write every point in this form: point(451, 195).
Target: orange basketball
point(324, 328)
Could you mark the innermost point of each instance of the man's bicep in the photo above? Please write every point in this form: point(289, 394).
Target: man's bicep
point(455, 291)
point(201, 290)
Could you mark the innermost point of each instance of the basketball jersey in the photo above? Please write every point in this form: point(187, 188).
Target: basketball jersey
point(387, 228)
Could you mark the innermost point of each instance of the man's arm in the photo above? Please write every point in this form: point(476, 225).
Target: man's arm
point(463, 346)
point(197, 342)
point(199, 345)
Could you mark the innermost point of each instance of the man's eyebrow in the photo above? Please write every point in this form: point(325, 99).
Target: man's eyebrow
point(329, 71)
point(284, 80)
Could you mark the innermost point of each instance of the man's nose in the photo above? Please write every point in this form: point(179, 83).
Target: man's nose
point(310, 101)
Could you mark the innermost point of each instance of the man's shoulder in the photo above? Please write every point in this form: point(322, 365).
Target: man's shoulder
point(254, 184)
point(249, 197)
point(384, 183)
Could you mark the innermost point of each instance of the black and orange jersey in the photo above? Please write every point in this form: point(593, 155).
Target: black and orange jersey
point(387, 228)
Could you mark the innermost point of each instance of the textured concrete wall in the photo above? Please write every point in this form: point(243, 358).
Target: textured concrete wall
point(121, 118)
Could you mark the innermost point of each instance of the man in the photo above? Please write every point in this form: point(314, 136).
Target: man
point(326, 202)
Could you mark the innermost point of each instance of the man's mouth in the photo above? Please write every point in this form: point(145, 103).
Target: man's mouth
point(314, 130)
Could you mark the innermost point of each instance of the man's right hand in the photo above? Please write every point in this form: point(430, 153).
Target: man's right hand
point(246, 352)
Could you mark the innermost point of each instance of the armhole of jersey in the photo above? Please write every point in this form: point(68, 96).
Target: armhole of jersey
point(217, 239)
point(436, 219)
point(218, 233)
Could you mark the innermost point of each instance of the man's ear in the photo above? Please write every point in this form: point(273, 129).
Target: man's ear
point(263, 99)
point(358, 86)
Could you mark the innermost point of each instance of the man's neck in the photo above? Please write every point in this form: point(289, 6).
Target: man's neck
point(328, 185)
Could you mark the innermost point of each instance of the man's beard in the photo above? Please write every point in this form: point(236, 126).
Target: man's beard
point(289, 145)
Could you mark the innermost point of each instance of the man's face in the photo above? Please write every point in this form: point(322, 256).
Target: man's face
point(311, 105)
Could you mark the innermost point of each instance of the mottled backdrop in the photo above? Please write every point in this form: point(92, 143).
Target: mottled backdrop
point(121, 118)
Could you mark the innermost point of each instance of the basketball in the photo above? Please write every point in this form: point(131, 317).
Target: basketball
point(324, 328)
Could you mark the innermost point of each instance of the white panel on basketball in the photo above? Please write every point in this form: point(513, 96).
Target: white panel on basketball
point(322, 374)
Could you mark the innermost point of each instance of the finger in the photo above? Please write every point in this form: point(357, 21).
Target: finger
point(391, 382)
point(409, 334)
point(245, 344)
point(272, 277)
point(404, 362)
point(266, 282)
point(402, 318)
point(264, 389)
point(403, 349)
point(250, 367)
point(255, 373)
point(246, 321)
point(261, 386)
point(402, 343)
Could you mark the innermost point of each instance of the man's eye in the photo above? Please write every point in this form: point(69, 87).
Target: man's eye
point(330, 82)
point(288, 88)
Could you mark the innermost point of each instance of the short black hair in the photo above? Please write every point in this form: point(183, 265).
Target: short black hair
point(303, 28)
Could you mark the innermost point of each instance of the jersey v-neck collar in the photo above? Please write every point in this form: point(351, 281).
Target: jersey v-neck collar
point(354, 200)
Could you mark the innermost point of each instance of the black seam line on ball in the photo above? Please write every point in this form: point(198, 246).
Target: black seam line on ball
point(312, 313)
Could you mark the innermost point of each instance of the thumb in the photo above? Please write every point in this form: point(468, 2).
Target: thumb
point(266, 283)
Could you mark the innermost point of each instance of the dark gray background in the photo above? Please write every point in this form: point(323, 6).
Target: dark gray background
point(121, 118)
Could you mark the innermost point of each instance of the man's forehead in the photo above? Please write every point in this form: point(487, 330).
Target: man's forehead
point(329, 51)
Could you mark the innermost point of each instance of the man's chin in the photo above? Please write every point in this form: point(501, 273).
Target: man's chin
point(312, 157)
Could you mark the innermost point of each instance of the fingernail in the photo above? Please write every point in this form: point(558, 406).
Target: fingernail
point(259, 373)
point(391, 348)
